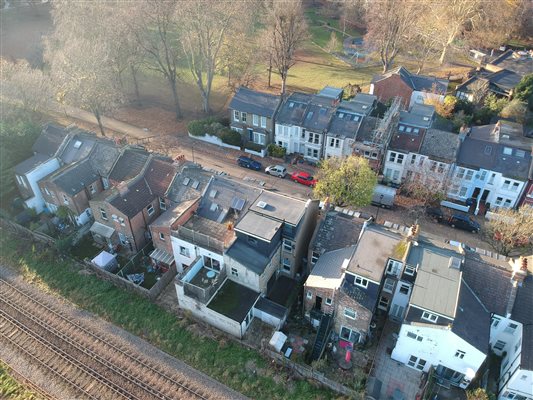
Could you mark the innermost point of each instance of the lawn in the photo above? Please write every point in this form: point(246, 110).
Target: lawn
point(85, 248)
point(223, 360)
point(10, 388)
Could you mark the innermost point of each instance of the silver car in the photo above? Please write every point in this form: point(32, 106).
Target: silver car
point(276, 170)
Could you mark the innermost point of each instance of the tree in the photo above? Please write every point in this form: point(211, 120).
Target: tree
point(495, 104)
point(479, 89)
point(509, 229)
point(515, 110)
point(524, 90)
point(205, 26)
point(347, 181)
point(81, 58)
point(156, 30)
point(333, 43)
point(286, 31)
point(24, 86)
point(477, 394)
point(444, 109)
point(427, 188)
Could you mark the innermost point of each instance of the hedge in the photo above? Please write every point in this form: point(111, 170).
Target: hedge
point(276, 151)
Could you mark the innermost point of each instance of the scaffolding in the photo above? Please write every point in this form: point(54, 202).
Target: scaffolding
point(384, 128)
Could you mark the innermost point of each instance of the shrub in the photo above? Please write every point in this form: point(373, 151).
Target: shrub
point(515, 110)
point(276, 151)
point(64, 244)
point(196, 128)
point(200, 127)
point(253, 146)
point(230, 136)
point(483, 116)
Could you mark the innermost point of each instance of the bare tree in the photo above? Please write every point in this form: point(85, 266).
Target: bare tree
point(286, 32)
point(479, 90)
point(25, 86)
point(206, 25)
point(157, 33)
point(333, 43)
point(509, 229)
point(239, 59)
point(389, 23)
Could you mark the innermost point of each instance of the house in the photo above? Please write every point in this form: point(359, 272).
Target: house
point(252, 114)
point(188, 184)
point(499, 76)
point(124, 212)
point(44, 161)
point(493, 166)
point(407, 141)
point(129, 164)
point(347, 283)
point(302, 122)
point(445, 325)
point(72, 187)
point(412, 88)
point(345, 124)
point(235, 249)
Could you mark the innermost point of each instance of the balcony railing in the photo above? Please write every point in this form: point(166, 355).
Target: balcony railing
point(199, 239)
point(204, 292)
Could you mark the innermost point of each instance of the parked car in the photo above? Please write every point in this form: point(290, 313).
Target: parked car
point(304, 178)
point(276, 170)
point(435, 213)
point(247, 162)
point(464, 222)
point(383, 196)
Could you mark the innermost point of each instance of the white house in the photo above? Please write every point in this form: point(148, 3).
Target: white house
point(445, 325)
point(493, 166)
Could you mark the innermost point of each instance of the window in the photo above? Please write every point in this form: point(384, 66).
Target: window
point(495, 322)
point(235, 115)
point(162, 236)
point(150, 209)
point(92, 188)
point(103, 214)
point(314, 257)
point(263, 122)
point(520, 153)
point(243, 117)
point(408, 129)
point(514, 187)
point(499, 345)
point(396, 157)
point(361, 282)
point(393, 267)
point(414, 336)
point(507, 151)
point(506, 184)
point(404, 288)
point(286, 264)
point(45, 189)
point(388, 286)
point(429, 317)
point(162, 204)
point(349, 313)
point(433, 166)
point(413, 159)
point(499, 201)
point(309, 295)
point(507, 203)
point(349, 335)
point(312, 153)
point(462, 191)
point(184, 251)
point(410, 270)
point(334, 143)
point(415, 362)
point(259, 138)
point(123, 238)
point(234, 272)
point(510, 328)
point(483, 175)
point(460, 354)
point(328, 301)
point(255, 120)
point(252, 240)
point(401, 128)
point(383, 303)
point(440, 169)
point(287, 245)
point(65, 199)
point(492, 177)
point(517, 346)
point(460, 173)
point(469, 175)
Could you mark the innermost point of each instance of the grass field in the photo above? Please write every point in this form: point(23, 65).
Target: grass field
point(222, 359)
point(10, 388)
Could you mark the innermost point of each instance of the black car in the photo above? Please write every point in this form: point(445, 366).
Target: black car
point(435, 213)
point(464, 222)
point(247, 162)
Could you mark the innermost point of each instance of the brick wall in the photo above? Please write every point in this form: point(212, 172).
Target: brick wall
point(393, 86)
point(362, 321)
point(309, 303)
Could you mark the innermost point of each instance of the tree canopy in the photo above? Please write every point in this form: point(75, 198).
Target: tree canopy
point(509, 229)
point(346, 181)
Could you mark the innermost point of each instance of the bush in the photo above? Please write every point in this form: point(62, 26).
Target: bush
point(276, 151)
point(515, 110)
point(200, 127)
point(253, 146)
point(524, 90)
point(64, 244)
point(495, 104)
point(230, 136)
point(483, 116)
point(196, 128)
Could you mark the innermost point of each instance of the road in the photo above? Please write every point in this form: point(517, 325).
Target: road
point(224, 160)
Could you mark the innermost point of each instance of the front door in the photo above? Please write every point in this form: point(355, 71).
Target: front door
point(318, 303)
point(251, 135)
point(485, 195)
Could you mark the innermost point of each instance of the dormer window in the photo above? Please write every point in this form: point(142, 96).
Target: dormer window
point(429, 317)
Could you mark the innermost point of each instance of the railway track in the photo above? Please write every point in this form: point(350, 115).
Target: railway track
point(95, 365)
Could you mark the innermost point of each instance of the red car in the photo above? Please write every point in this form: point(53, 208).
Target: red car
point(304, 178)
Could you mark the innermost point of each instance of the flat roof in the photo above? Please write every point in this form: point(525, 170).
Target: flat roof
point(280, 207)
point(209, 228)
point(375, 247)
point(437, 283)
point(233, 300)
point(169, 216)
point(258, 225)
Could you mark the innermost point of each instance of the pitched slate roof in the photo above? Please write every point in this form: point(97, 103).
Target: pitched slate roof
point(159, 175)
point(361, 104)
point(523, 313)
point(421, 83)
point(189, 183)
point(29, 164)
point(472, 320)
point(420, 115)
point(440, 145)
point(74, 178)
point(344, 124)
point(103, 157)
point(137, 197)
point(328, 272)
point(521, 64)
point(408, 142)
point(78, 147)
point(130, 164)
point(291, 112)
point(318, 114)
point(50, 140)
point(367, 128)
point(336, 231)
point(363, 298)
point(254, 102)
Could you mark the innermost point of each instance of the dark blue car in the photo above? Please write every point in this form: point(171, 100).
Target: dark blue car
point(464, 222)
point(247, 162)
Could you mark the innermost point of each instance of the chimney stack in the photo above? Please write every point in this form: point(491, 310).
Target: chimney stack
point(520, 269)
